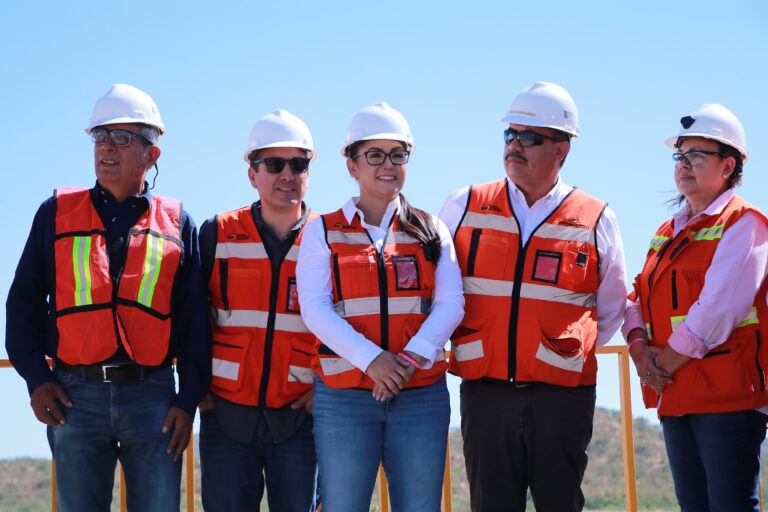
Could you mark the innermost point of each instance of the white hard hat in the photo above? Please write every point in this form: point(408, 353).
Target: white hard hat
point(125, 104)
point(546, 105)
point(379, 121)
point(279, 129)
point(713, 121)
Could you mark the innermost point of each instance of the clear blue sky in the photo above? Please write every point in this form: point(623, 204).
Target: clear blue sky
point(633, 68)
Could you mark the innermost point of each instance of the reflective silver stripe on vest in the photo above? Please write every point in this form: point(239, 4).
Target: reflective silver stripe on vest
point(335, 365)
point(253, 318)
point(225, 369)
point(558, 232)
point(249, 251)
point(489, 221)
point(370, 306)
point(491, 287)
point(398, 237)
point(339, 237)
point(299, 374)
point(293, 253)
point(468, 351)
point(554, 294)
point(571, 364)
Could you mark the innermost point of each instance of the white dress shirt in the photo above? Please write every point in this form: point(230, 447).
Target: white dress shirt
point(313, 279)
point(611, 290)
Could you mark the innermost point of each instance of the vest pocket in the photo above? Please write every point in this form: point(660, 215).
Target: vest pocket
point(562, 349)
point(228, 357)
point(356, 275)
point(726, 375)
point(299, 375)
point(471, 350)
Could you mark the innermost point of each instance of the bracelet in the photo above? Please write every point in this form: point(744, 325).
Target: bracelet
point(635, 341)
point(405, 357)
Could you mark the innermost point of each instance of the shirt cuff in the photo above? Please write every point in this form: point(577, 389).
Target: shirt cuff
point(684, 342)
point(423, 348)
point(365, 355)
point(633, 319)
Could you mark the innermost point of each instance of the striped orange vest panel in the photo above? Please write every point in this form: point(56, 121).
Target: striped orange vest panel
point(384, 297)
point(530, 312)
point(92, 316)
point(732, 376)
point(262, 350)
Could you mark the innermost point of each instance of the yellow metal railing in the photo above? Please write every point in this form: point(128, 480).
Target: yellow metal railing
point(628, 454)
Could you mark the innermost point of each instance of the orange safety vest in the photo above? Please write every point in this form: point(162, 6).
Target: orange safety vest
point(731, 377)
point(262, 350)
point(385, 297)
point(530, 312)
point(92, 314)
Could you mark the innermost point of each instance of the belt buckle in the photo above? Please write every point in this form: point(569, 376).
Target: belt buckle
point(104, 369)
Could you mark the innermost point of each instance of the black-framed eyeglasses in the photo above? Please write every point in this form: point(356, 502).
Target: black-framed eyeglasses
point(120, 138)
point(528, 138)
point(694, 156)
point(378, 156)
point(275, 164)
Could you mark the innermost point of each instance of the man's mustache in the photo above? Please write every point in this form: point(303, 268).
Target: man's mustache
point(515, 154)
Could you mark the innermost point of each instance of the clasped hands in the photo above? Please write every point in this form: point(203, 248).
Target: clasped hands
point(391, 373)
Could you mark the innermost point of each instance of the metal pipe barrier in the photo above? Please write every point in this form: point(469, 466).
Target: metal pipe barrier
point(627, 442)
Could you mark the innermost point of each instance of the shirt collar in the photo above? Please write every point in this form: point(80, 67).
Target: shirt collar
point(261, 225)
point(683, 216)
point(557, 190)
point(350, 209)
point(99, 192)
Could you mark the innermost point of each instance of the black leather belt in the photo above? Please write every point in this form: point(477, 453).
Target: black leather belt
point(117, 373)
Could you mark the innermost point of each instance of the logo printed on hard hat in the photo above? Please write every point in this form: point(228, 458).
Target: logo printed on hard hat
point(687, 121)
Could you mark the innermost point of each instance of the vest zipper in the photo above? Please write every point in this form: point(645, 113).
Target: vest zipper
point(473, 244)
point(383, 288)
point(659, 257)
point(337, 276)
point(269, 338)
point(674, 289)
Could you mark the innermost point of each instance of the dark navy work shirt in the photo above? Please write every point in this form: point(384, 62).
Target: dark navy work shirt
point(30, 310)
point(238, 421)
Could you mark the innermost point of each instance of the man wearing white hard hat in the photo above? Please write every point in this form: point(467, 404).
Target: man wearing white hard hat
point(256, 424)
point(109, 286)
point(543, 272)
point(697, 320)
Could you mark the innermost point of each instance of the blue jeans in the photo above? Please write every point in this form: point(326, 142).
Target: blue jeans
point(715, 459)
point(233, 473)
point(408, 433)
point(110, 422)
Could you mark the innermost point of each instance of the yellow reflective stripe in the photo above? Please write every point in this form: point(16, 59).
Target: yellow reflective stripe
point(676, 321)
point(371, 306)
point(648, 330)
point(255, 318)
point(711, 233)
point(339, 237)
point(153, 260)
point(249, 251)
point(751, 318)
point(558, 232)
point(657, 241)
point(489, 221)
point(483, 286)
point(81, 263)
point(555, 294)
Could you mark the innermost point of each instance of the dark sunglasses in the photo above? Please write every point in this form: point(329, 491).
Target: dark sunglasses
point(120, 138)
point(527, 138)
point(275, 165)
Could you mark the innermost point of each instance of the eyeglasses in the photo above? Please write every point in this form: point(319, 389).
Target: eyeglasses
point(275, 165)
point(694, 156)
point(527, 138)
point(119, 138)
point(378, 157)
